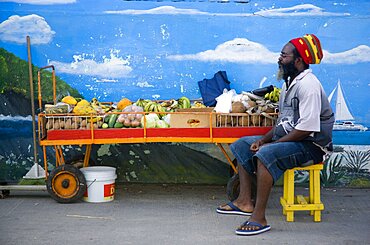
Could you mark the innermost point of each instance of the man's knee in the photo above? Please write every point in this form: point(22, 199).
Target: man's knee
point(260, 165)
point(261, 168)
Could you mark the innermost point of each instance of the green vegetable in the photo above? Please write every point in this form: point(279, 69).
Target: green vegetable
point(118, 125)
point(112, 120)
point(107, 117)
point(161, 124)
point(151, 120)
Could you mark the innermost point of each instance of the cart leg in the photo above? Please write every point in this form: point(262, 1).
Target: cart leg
point(227, 157)
point(87, 156)
point(45, 161)
point(62, 161)
point(58, 156)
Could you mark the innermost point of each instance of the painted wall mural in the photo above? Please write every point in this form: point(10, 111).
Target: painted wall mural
point(161, 49)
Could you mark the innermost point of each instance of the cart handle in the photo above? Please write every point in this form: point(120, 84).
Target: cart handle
point(39, 85)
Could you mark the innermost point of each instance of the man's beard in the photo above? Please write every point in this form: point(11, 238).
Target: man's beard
point(286, 71)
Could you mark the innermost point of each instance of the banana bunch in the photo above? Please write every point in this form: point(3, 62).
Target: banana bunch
point(164, 106)
point(274, 95)
point(155, 107)
point(142, 102)
point(99, 107)
point(198, 104)
point(184, 102)
point(170, 105)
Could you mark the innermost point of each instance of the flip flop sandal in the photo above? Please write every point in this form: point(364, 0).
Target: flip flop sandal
point(234, 210)
point(260, 229)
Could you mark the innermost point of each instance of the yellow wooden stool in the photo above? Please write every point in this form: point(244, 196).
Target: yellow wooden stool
point(311, 203)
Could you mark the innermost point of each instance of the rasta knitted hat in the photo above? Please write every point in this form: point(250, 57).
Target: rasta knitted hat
point(309, 48)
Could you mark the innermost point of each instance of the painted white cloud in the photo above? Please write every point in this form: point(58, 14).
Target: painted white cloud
point(105, 80)
point(356, 55)
point(40, 2)
point(298, 10)
point(163, 10)
point(144, 85)
point(239, 50)
point(112, 67)
point(16, 28)
point(242, 50)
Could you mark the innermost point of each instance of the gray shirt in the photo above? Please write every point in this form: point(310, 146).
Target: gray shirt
point(305, 106)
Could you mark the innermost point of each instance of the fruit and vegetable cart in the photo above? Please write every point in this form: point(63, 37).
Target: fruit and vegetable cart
point(85, 123)
point(144, 121)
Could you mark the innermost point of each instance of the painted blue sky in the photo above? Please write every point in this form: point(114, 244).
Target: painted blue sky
point(162, 49)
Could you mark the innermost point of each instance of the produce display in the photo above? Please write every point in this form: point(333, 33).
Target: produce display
point(72, 113)
point(273, 95)
point(247, 110)
point(130, 120)
point(250, 110)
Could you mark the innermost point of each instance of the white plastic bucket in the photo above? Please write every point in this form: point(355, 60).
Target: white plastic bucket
point(100, 182)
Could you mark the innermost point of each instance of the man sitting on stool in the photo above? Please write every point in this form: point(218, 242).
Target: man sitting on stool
point(301, 137)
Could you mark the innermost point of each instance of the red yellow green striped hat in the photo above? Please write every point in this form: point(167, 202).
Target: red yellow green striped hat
point(309, 48)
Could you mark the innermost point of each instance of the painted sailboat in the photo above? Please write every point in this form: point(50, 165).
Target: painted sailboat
point(344, 120)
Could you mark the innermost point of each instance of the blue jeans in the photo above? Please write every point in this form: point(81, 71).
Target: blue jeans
point(276, 157)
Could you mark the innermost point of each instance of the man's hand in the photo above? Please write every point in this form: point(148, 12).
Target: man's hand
point(256, 145)
point(262, 141)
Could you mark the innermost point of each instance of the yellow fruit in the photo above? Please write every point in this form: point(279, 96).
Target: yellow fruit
point(83, 103)
point(83, 110)
point(69, 100)
point(123, 103)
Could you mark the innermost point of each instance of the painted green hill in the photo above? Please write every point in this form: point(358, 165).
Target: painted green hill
point(14, 78)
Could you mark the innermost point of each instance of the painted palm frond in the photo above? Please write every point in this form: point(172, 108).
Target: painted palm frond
point(356, 161)
point(332, 172)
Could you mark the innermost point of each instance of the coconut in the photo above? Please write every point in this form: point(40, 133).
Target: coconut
point(237, 107)
point(233, 121)
point(223, 120)
point(270, 110)
point(56, 125)
point(251, 103)
point(244, 121)
point(49, 125)
point(255, 120)
point(83, 123)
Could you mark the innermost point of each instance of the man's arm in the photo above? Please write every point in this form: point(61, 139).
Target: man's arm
point(294, 135)
point(267, 138)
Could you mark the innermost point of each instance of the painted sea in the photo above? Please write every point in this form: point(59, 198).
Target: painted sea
point(18, 126)
point(352, 137)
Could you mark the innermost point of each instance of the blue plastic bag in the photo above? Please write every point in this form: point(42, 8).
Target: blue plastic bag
point(210, 89)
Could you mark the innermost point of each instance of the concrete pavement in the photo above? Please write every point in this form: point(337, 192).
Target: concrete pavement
point(176, 214)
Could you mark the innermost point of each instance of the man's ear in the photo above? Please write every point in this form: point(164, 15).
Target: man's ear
point(299, 60)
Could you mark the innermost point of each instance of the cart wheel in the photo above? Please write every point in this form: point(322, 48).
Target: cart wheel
point(233, 188)
point(66, 184)
point(4, 194)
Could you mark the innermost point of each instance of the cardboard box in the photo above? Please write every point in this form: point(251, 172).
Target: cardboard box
point(193, 118)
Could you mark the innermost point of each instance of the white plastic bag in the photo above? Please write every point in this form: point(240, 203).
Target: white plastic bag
point(224, 101)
